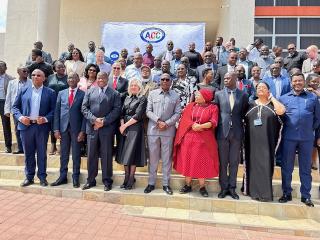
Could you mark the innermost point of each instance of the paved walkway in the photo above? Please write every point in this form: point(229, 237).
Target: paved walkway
point(32, 216)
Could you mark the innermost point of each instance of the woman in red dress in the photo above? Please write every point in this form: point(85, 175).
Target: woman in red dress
point(195, 153)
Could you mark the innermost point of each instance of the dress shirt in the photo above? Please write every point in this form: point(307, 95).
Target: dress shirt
point(168, 56)
point(231, 68)
point(302, 116)
point(35, 102)
point(74, 92)
point(21, 83)
point(132, 72)
point(278, 85)
point(105, 67)
point(91, 58)
point(254, 54)
point(2, 93)
point(103, 89)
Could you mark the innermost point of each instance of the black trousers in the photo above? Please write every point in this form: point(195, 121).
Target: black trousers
point(5, 125)
point(229, 156)
point(100, 145)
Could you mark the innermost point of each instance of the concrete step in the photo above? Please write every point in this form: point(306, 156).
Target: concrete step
point(15, 147)
point(54, 162)
point(232, 222)
point(176, 182)
point(193, 201)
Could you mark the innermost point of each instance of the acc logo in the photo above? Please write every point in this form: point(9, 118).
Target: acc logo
point(114, 56)
point(152, 35)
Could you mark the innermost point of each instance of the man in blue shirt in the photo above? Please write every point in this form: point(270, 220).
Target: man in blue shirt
point(301, 119)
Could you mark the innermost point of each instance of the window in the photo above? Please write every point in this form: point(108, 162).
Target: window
point(286, 25)
point(264, 2)
point(309, 3)
point(286, 2)
point(281, 31)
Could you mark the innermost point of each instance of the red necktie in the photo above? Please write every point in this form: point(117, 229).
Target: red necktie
point(115, 82)
point(71, 97)
point(240, 85)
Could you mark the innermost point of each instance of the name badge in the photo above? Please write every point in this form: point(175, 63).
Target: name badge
point(257, 122)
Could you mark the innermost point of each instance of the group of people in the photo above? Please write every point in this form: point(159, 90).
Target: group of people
point(202, 113)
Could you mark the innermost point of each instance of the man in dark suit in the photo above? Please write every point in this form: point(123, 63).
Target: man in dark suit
point(101, 107)
point(69, 126)
point(117, 82)
point(248, 65)
point(4, 81)
point(233, 105)
point(209, 62)
point(34, 109)
point(230, 67)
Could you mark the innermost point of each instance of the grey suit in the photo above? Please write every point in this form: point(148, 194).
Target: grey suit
point(6, 120)
point(229, 135)
point(69, 121)
point(12, 91)
point(106, 105)
point(165, 107)
point(122, 86)
point(219, 76)
point(203, 67)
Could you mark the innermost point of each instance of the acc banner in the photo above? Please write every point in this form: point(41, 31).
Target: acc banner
point(119, 35)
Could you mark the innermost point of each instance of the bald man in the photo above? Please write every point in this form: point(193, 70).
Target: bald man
point(34, 109)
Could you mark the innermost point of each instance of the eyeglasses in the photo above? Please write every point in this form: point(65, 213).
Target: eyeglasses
point(92, 70)
point(290, 48)
point(170, 44)
point(24, 71)
point(165, 79)
point(116, 68)
point(278, 62)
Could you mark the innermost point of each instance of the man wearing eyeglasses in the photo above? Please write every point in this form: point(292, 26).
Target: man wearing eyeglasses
point(34, 109)
point(163, 111)
point(294, 58)
point(13, 88)
point(168, 54)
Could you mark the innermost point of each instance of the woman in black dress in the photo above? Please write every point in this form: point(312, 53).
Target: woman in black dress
point(262, 136)
point(131, 152)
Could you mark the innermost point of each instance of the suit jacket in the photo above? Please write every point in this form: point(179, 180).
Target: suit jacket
point(250, 66)
point(223, 55)
point(219, 76)
point(7, 79)
point(122, 86)
point(228, 118)
point(285, 85)
point(108, 108)
point(203, 67)
point(247, 86)
point(22, 106)
point(65, 115)
point(12, 92)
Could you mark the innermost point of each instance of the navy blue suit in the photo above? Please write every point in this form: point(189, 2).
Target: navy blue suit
point(301, 119)
point(69, 121)
point(285, 85)
point(35, 137)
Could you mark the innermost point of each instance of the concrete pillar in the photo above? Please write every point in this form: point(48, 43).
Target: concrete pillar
point(48, 25)
point(237, 20)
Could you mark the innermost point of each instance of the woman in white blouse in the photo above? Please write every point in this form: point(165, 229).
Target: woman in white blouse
point(75, 63)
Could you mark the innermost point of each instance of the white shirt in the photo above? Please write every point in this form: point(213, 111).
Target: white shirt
point(277, 83)
point(35, 102)
point(2, 94)
point(231, 68)
point(105, 67)
point(132, 72)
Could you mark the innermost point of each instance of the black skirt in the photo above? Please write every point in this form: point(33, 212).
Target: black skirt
point(132, 146)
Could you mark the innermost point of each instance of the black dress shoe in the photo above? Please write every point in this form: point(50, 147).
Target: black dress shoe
point(18, 152)
point(76, 183)
point(167, 189)
point(88, 185)
point(43, 183)
point(223, 193)
point(203, 191)
point(26, 183)
point(8, 150)
point(185, 189)
point(108, 187)
point(58, 182)
point(285, 198)
point(307, 201)
point(233, 194)
point(149, 189)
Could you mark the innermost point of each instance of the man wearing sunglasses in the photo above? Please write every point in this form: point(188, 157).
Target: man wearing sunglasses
point(13, 88)
point(294, 58)
point(163, 111)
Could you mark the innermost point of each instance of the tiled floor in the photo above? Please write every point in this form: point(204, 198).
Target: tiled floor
point(31, 216)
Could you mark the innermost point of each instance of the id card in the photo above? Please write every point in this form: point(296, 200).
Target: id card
point(257, 122)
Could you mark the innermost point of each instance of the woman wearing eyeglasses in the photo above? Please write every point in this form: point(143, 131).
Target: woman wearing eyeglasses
point(90, 77)
point(75, 63)
point(184, 85)
point(195, 153)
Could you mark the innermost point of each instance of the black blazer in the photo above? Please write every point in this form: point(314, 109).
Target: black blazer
point(108, 107)
point(122, 86)
point(226, 116)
